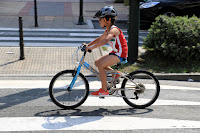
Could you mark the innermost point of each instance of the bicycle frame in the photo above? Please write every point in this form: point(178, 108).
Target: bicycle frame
point(91, 69)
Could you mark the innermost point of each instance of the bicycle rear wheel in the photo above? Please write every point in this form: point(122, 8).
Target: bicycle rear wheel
point(61, 95)
point(141, 89)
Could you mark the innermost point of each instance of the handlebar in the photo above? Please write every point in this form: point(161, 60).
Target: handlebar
point(83, 48)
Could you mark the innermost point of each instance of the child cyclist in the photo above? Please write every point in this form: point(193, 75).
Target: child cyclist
point(114, 36)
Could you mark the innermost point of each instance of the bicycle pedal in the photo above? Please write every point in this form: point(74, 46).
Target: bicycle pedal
point(102, 97)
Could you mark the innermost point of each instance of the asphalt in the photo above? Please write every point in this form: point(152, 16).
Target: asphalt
point(55, 14)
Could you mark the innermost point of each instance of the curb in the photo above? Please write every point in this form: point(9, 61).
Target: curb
point(179, 76)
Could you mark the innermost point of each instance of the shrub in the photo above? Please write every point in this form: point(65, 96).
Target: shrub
point(175, 38)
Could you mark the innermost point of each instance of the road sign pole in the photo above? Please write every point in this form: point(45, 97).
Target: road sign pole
point(81, 19)
point(36, 17)
point(21, 43)
point(133, 31)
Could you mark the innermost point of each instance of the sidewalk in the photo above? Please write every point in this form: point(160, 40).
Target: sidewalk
point(62, 14)
point(40, 61)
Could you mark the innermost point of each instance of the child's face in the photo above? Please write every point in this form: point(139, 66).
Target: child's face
point(102, 22)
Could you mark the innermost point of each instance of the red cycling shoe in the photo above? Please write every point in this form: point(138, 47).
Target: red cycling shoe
point(100, 92)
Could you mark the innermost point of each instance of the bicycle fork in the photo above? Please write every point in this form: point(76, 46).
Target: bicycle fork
point(75, 75)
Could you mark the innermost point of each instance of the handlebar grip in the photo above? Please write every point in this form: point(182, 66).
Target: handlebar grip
point(89, 50)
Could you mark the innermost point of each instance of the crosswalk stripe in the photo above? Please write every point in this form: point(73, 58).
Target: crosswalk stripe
point(170, 87)
point(93, 85)
point(91, 101)
point(98, 123)
point(116, 101)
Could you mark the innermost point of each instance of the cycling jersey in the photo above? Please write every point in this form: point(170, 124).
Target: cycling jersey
point(119, 44)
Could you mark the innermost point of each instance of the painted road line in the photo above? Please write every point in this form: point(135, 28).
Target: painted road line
point(93, 85)
point(98, 123)
point(90, 102)
point(170, 87)
point(117, 101)
point(28, 84)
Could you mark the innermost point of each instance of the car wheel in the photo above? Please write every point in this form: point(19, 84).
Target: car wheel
point(169, 14)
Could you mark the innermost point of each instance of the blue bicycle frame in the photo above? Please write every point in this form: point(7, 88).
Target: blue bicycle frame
point(87, 66)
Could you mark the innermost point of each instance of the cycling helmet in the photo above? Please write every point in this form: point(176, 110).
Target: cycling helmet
point(106, 11)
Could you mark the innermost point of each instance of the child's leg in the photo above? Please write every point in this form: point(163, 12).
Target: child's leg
point(105, 64)
point(98, 61)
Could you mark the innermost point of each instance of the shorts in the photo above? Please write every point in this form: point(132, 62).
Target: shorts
point(120, 58)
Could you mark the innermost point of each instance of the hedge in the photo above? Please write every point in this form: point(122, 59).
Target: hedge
point(175, 38)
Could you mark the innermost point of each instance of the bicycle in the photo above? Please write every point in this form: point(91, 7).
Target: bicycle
point(69, 89)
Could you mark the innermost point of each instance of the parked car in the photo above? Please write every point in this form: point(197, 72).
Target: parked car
point(153, 8)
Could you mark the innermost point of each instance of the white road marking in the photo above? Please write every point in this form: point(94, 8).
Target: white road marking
point(98, 123)
point(116, 101)
point(170, 87)
point(22, 84)
point(93, 85)
point(91, 101)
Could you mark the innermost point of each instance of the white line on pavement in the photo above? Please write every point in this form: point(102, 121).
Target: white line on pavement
point(98, 123)
point(45, 84)
point(117, 101)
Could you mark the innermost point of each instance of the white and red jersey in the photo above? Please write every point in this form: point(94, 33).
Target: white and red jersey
point(119, 44)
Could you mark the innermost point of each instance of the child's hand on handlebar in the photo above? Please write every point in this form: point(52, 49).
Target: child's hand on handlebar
point(88, 50)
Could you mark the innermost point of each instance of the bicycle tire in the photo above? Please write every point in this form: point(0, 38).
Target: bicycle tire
point(64, 98)
point(147, 83)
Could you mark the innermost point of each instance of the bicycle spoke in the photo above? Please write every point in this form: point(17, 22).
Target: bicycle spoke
point(65, 98)
point(145, 89)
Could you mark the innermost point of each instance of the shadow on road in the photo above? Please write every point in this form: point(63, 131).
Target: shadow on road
point(59, 119)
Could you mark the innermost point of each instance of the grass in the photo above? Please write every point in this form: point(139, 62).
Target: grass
point(104, 48)
point(161, 65)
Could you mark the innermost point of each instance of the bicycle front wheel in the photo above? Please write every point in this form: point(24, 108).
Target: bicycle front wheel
point(61, 95)
point(141, 89)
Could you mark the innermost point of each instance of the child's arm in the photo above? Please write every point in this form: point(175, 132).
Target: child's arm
point(113, 32)
point(98, 39)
